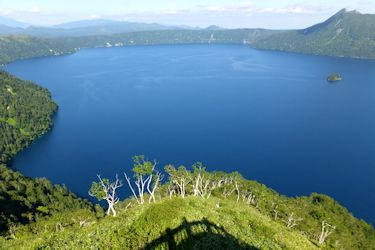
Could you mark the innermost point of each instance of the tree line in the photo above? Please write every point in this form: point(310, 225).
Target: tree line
point(147, 186)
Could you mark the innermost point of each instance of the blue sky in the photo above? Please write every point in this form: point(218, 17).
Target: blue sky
point(228, 13)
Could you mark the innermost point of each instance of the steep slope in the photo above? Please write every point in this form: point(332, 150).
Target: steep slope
point(23, 200)
point(347, 33)
point(219, 221)
point(190, 223)
point(7, 30)
point(23, 47)
point(25, 114)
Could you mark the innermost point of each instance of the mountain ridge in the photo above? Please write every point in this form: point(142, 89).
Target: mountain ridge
point(13, 23)
point(345, 34)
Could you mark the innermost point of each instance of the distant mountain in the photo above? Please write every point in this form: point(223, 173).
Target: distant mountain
point(214, 27)
point(88, 28)
point(107, 27)
point(84, 23)
point(346, 34)
point(12, 23)
point(7, 30)
point(103, 26)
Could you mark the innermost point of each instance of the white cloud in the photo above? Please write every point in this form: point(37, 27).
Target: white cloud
point(289, 10)
point(243, 7)
point(34, 9)
point(94, 16)
point(5, 12)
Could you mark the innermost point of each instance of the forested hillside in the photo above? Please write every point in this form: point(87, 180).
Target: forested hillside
point(347, 34)
point(23, 200)
point(195, 209)
point(25, 114)
point(21, 47)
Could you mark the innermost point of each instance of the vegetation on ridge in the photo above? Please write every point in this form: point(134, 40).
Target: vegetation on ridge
point(23, 200)
point(346, 34)
point(196, 209)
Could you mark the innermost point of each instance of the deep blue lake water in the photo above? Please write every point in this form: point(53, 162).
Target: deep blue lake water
point(269, 115)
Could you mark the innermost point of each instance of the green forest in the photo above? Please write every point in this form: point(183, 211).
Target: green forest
point(346, 34)
point(25, 114)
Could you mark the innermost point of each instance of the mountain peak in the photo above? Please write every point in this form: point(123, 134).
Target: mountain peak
point(332, 20)
point(346, 11)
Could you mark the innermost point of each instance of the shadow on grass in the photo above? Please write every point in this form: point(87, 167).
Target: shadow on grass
point(201, 234)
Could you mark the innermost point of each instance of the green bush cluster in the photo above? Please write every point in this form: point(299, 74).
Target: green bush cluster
point(24, 200)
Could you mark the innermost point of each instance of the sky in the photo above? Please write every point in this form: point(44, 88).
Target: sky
point(274, 14)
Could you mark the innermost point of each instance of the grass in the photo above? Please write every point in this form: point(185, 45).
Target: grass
point(12, 122)
point(24, 132)
point(183, 223)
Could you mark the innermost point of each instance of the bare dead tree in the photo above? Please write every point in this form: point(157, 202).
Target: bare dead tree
point(141, 186)
point(143, 173)
point(199, 170)
point(131, 188)
point(275, 211)
point(291, 221)
point(59, 227)
point(178, 180)
point(106, 190)
point(205, 189)
point(171, 190)
point(13, 230)
point(197, 184)
point(327, 230)
point(153, 184)
point(249, 198)
point(83, 222)
point(201, 181)
point(237, 188)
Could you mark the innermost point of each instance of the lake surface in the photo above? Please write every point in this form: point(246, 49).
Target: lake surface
point(269, 115)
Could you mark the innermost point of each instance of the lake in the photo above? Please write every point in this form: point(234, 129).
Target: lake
point(271, 116)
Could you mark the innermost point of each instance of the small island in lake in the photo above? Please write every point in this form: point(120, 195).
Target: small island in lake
point(334, 78)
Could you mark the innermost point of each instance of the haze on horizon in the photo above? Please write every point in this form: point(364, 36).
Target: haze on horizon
point(271, 14)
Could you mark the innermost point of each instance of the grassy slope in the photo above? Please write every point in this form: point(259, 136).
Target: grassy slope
point(217, 221)
point(229, 225)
